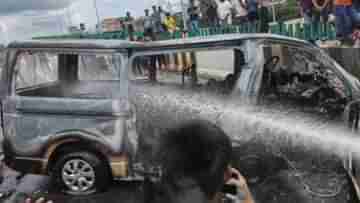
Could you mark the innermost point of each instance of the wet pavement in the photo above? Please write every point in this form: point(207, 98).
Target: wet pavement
point(270, 178)
point(284, 186)
point(39, 186)
point(274, 178)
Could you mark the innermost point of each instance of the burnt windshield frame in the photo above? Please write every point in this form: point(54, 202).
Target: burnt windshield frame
point(313, 50)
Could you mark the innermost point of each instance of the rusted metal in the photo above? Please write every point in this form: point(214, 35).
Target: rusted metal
point(120, 166)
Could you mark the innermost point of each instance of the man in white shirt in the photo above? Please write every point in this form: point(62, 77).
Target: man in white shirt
point(224, 12)
point(241, 10)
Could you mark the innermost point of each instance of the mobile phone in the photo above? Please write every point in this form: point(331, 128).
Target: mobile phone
point(229, 189)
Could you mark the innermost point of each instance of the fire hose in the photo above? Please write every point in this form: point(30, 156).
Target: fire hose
point(307, 188)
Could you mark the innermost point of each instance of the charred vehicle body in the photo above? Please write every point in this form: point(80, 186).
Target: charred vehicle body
point(65, 112)
point(83, 116)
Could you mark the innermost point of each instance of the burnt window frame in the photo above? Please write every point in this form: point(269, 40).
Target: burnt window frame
point(123, 79)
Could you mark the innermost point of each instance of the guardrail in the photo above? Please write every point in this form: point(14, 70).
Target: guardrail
point(310, 32)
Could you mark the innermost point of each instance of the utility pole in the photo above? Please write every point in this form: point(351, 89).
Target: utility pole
point(97, 17)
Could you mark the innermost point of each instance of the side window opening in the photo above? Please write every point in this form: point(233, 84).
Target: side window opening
point(98, 68)
point(198, 70)
point(297, 76)
point(34, 70)
point(67, 75)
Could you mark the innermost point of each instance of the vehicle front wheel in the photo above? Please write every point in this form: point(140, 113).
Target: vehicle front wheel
point(81, 173)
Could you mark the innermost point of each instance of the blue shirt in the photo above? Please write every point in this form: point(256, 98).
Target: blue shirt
point(252, 6)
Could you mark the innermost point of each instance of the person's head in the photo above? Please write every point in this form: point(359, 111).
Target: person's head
point(167, 14)
point(154, 8)
point(198, 150)
point(128, 14)
point(160, 9)
point(146, 12)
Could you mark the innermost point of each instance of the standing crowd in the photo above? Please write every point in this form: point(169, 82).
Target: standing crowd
point(346, 16)
point(344, 13)
point(210, 14)
point(230, 12)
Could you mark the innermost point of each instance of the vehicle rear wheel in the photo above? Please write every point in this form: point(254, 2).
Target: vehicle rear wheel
point(81, 173)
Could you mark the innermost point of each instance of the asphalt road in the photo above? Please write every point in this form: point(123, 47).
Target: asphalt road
point(39, 186)
point(271, 180)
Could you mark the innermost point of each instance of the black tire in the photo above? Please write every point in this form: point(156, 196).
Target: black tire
point(100, 169)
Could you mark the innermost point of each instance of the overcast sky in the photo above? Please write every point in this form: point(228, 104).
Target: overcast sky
point(22, 19)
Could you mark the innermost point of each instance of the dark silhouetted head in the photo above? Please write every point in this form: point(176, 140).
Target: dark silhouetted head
point(198, 150)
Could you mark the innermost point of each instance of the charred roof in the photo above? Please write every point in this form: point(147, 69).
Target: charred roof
point(215, 40)
point(227, 39)
point(73, 44)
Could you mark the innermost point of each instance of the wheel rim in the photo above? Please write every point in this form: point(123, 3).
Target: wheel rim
point(78, 175)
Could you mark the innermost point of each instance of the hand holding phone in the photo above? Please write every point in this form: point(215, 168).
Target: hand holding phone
point(235, 182)
point(233, 177)
point(229, 189)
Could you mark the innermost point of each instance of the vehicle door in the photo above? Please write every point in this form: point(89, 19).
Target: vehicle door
point(59, 95)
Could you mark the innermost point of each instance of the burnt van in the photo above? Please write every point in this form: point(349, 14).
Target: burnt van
point(65, 112)
point(80, 112)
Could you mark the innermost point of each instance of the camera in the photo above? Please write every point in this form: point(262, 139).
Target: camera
point(229, 189)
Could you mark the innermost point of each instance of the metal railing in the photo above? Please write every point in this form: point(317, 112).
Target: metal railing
point(309, 32)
